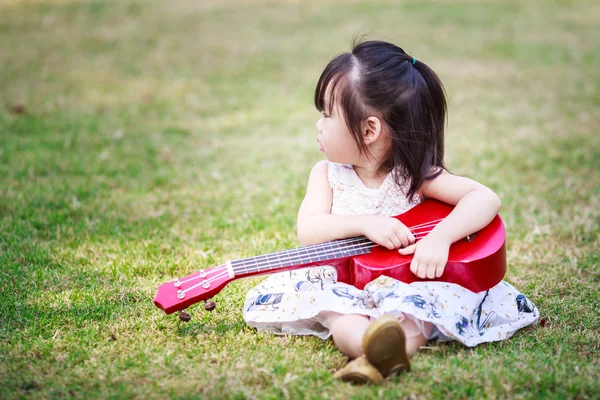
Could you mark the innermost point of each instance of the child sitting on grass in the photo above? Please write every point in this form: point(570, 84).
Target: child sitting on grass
point(381, 129)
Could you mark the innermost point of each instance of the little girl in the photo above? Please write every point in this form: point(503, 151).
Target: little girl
point(382, 132)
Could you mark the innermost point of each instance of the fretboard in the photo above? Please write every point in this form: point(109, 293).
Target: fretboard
point(305, 255)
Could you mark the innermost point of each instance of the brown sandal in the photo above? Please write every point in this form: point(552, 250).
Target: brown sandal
point(384, 345)
point(360, 372)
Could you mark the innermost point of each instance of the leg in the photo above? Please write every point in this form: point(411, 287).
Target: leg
point(389, 344)
point(348, 331)
point(414, 337)
point(386, 343)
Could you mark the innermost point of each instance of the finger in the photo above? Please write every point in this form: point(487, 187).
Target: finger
point(422, 271)
point(431, 271)
point(397, 243)
point(412, 238)
point(405, 236)
point(401, 240)
point(414, 266)
point(390, 245)
point(408, 250)
point(439, 271)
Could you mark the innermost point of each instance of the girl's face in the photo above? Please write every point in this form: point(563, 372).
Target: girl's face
point(335, 139)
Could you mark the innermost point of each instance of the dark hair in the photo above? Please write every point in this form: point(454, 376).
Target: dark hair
point(379, 78)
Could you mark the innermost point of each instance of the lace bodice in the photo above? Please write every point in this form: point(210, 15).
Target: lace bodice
point(352, 197)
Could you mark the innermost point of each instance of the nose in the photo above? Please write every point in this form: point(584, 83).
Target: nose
point(318, 125)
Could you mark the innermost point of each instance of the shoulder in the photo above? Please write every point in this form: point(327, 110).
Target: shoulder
point(318, 193)
point(322, 165)
point(319, 174)
point(320, 169)
point(325, 171)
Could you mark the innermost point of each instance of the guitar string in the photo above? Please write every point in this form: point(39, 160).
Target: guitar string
point(311, 247)
point(217, 277)
point(223, 270)
point(326, 252)
point(345, 241)
point(223, 273)
point(358, 245)
point(300, 257)
point(322, 246)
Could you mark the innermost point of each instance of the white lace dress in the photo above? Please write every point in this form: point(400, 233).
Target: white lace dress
point(299, 301)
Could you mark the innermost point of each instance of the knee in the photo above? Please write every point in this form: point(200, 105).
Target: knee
point(343, 323)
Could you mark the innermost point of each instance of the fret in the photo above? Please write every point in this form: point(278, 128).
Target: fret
point(302, 261)
point(322, 252)
point(300, 256)
point(334, 251)
point(348, 249)
point(279, 263)
point(239, 263)
point(317, 250)
point(268, 261)
point(343, 250)
point(311, 253)
point(257, 264)
point(287, 253)
point(308, 255)
point(261, 261)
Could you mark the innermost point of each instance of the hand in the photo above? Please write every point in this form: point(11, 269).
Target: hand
point(430, 257)
point(387, 232)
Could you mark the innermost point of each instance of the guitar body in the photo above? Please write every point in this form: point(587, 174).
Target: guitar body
point(477, 262)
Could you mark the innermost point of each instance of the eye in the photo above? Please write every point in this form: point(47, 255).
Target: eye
point(324, 115)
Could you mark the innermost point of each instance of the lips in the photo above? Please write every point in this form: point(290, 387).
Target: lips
point(320, 145)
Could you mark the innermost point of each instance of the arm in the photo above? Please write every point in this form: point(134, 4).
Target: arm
point(316, 224)
point(475, 207)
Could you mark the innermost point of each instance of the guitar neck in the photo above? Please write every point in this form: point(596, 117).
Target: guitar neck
point(301, 256)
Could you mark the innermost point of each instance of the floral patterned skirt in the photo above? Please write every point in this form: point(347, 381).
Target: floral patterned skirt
point(295, 302)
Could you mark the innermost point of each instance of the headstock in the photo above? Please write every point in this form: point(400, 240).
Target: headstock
point(183, 292)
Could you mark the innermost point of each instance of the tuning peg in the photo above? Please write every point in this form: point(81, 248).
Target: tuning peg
point(185, 317)
point(209, 305)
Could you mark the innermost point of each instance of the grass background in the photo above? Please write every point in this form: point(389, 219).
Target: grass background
point(140, 141)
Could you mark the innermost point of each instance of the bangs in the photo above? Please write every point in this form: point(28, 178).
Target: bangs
point(333, 82)
point(338, 84)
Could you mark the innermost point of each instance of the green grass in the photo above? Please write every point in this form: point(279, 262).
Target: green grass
point(158, 139)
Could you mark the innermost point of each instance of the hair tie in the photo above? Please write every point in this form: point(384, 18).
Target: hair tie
point(414, 61)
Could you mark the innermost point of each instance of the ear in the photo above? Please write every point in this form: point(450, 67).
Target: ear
point(371, 129)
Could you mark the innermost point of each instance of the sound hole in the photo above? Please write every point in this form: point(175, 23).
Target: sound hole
point(470, 238)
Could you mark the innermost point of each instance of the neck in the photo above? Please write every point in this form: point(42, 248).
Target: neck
point(370, 172)
point(368, 168)
point(316, 254)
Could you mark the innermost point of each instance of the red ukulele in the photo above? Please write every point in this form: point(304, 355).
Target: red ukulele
point(477, 262)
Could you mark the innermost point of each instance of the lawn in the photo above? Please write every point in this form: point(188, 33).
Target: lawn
point(144, 140)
